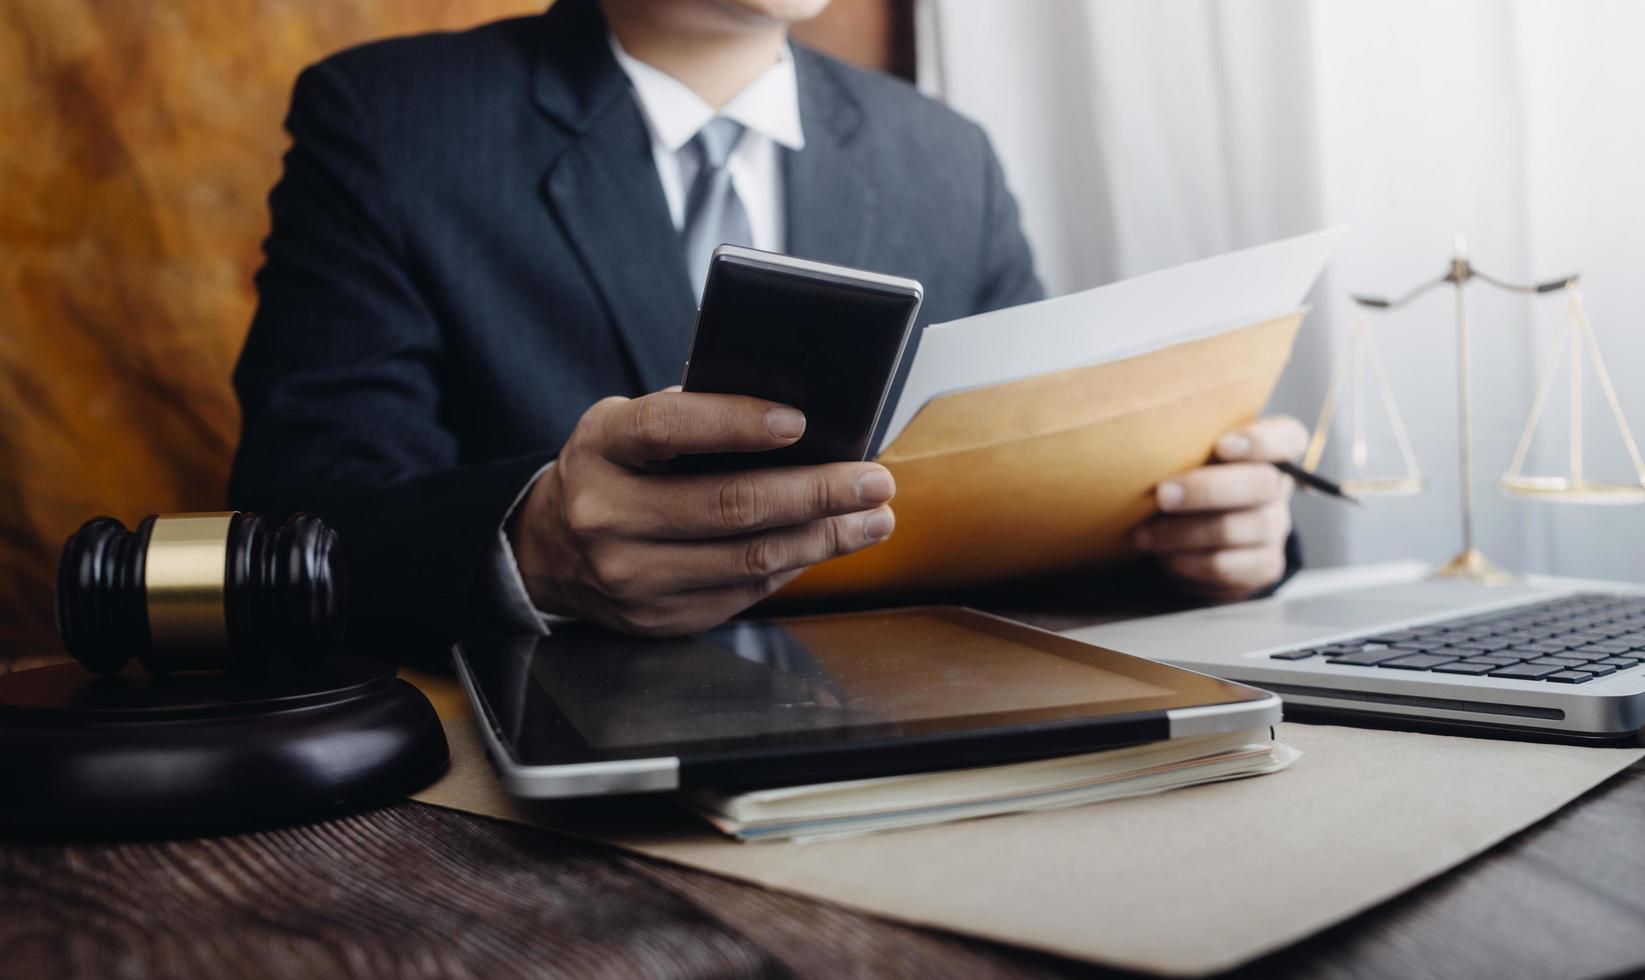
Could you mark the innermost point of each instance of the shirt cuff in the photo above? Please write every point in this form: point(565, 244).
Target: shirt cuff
point(514, 610)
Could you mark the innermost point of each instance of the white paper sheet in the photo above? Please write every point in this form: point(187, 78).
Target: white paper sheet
point(1110, 322)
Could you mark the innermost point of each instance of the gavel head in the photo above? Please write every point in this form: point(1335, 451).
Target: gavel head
point(188, 592)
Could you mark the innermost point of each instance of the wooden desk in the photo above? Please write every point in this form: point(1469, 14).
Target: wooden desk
point(415, 891)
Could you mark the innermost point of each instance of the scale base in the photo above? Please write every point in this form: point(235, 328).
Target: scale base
point(1473, 566)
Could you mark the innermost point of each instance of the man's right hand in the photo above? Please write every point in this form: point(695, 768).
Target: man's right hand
point(603, 537)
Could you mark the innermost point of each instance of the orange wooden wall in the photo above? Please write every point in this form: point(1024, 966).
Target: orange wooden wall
point(138, 139)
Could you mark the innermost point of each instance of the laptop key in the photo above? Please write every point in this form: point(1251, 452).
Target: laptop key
point(1418, 661)
point(1352, 646)
point(1473, 632)
point(1549, 646)
point(1493, 661)
point(1464, 667)
point(1611, 647)
point(1620, 663)
point(1525, 672)
point(1556, 661)
point(1586, 658)
point(1598, 670)
point(1370, 658)
point(1584, 637)
point(1569, 677)
point(1294, 654)
point(1431, 636)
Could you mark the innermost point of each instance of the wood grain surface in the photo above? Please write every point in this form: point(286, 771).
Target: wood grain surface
point(419, 892)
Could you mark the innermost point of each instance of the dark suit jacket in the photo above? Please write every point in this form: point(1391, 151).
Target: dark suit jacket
point(470, 246)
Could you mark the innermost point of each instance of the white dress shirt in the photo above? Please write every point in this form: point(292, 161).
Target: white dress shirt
point(769, 110)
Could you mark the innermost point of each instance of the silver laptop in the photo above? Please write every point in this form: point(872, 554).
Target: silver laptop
point(1557, 661)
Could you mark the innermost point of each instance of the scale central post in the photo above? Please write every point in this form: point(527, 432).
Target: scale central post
point(1470, 563)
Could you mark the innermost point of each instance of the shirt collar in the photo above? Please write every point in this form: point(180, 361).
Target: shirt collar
point(769, 105)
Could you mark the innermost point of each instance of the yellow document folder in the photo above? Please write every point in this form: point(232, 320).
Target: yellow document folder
point(1053, 472)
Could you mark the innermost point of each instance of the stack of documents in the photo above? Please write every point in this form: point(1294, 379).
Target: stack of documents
point(1029, 440)
point(828, 811)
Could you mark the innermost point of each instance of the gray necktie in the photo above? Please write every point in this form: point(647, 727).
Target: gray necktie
point(713, 213)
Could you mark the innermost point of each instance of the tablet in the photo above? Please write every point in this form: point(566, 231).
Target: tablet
point(783, 702)
point(826, 339)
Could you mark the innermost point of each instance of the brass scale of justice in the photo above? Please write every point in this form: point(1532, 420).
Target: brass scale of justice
point(1575, 344)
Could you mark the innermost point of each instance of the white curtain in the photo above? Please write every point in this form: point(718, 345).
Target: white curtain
point(1138, 134)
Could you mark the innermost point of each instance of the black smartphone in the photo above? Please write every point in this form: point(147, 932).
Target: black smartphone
point(825, 339)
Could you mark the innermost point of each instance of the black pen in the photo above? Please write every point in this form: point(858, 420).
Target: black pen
point(1318, 484)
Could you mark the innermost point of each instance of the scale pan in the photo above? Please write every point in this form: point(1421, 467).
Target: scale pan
point(1384, 486)
point(1563, 489)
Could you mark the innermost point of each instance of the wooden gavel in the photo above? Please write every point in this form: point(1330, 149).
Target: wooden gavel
point(189, 592)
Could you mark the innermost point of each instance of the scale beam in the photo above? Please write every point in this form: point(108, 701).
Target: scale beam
point(1461, 272)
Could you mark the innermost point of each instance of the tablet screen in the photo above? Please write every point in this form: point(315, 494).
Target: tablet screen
point(585, 693)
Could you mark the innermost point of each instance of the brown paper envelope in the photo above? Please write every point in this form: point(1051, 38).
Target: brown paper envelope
point(1052, 472)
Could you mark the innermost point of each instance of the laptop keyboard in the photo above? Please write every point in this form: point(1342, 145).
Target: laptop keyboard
point(1571, 640)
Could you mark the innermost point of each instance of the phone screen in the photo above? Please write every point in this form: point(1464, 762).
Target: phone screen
point(812, 337)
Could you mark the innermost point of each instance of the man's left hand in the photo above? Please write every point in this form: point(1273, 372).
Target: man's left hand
point(1221, 529)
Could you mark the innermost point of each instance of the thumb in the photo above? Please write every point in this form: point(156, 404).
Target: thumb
point(1268, 440)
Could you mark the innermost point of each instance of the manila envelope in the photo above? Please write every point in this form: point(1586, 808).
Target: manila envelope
point(1051, 473)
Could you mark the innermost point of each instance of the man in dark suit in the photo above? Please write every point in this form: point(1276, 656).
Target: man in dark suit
point(484, 254)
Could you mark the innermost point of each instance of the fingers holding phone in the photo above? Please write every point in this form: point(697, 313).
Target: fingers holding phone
point(670, 513)
point(605, 535)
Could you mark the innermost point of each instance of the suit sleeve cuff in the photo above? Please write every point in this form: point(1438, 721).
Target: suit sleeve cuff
point(1293, 564)
point(514, 611)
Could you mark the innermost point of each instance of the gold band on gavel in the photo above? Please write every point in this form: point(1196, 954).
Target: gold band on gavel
point(184, 569)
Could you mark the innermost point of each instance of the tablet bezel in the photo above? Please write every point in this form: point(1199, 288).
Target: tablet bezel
point(1197, 704)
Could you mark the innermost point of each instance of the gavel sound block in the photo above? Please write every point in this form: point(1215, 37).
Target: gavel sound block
point(247, 712)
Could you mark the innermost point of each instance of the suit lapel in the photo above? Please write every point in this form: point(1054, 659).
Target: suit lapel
point(830, 205)
point(604, 191)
